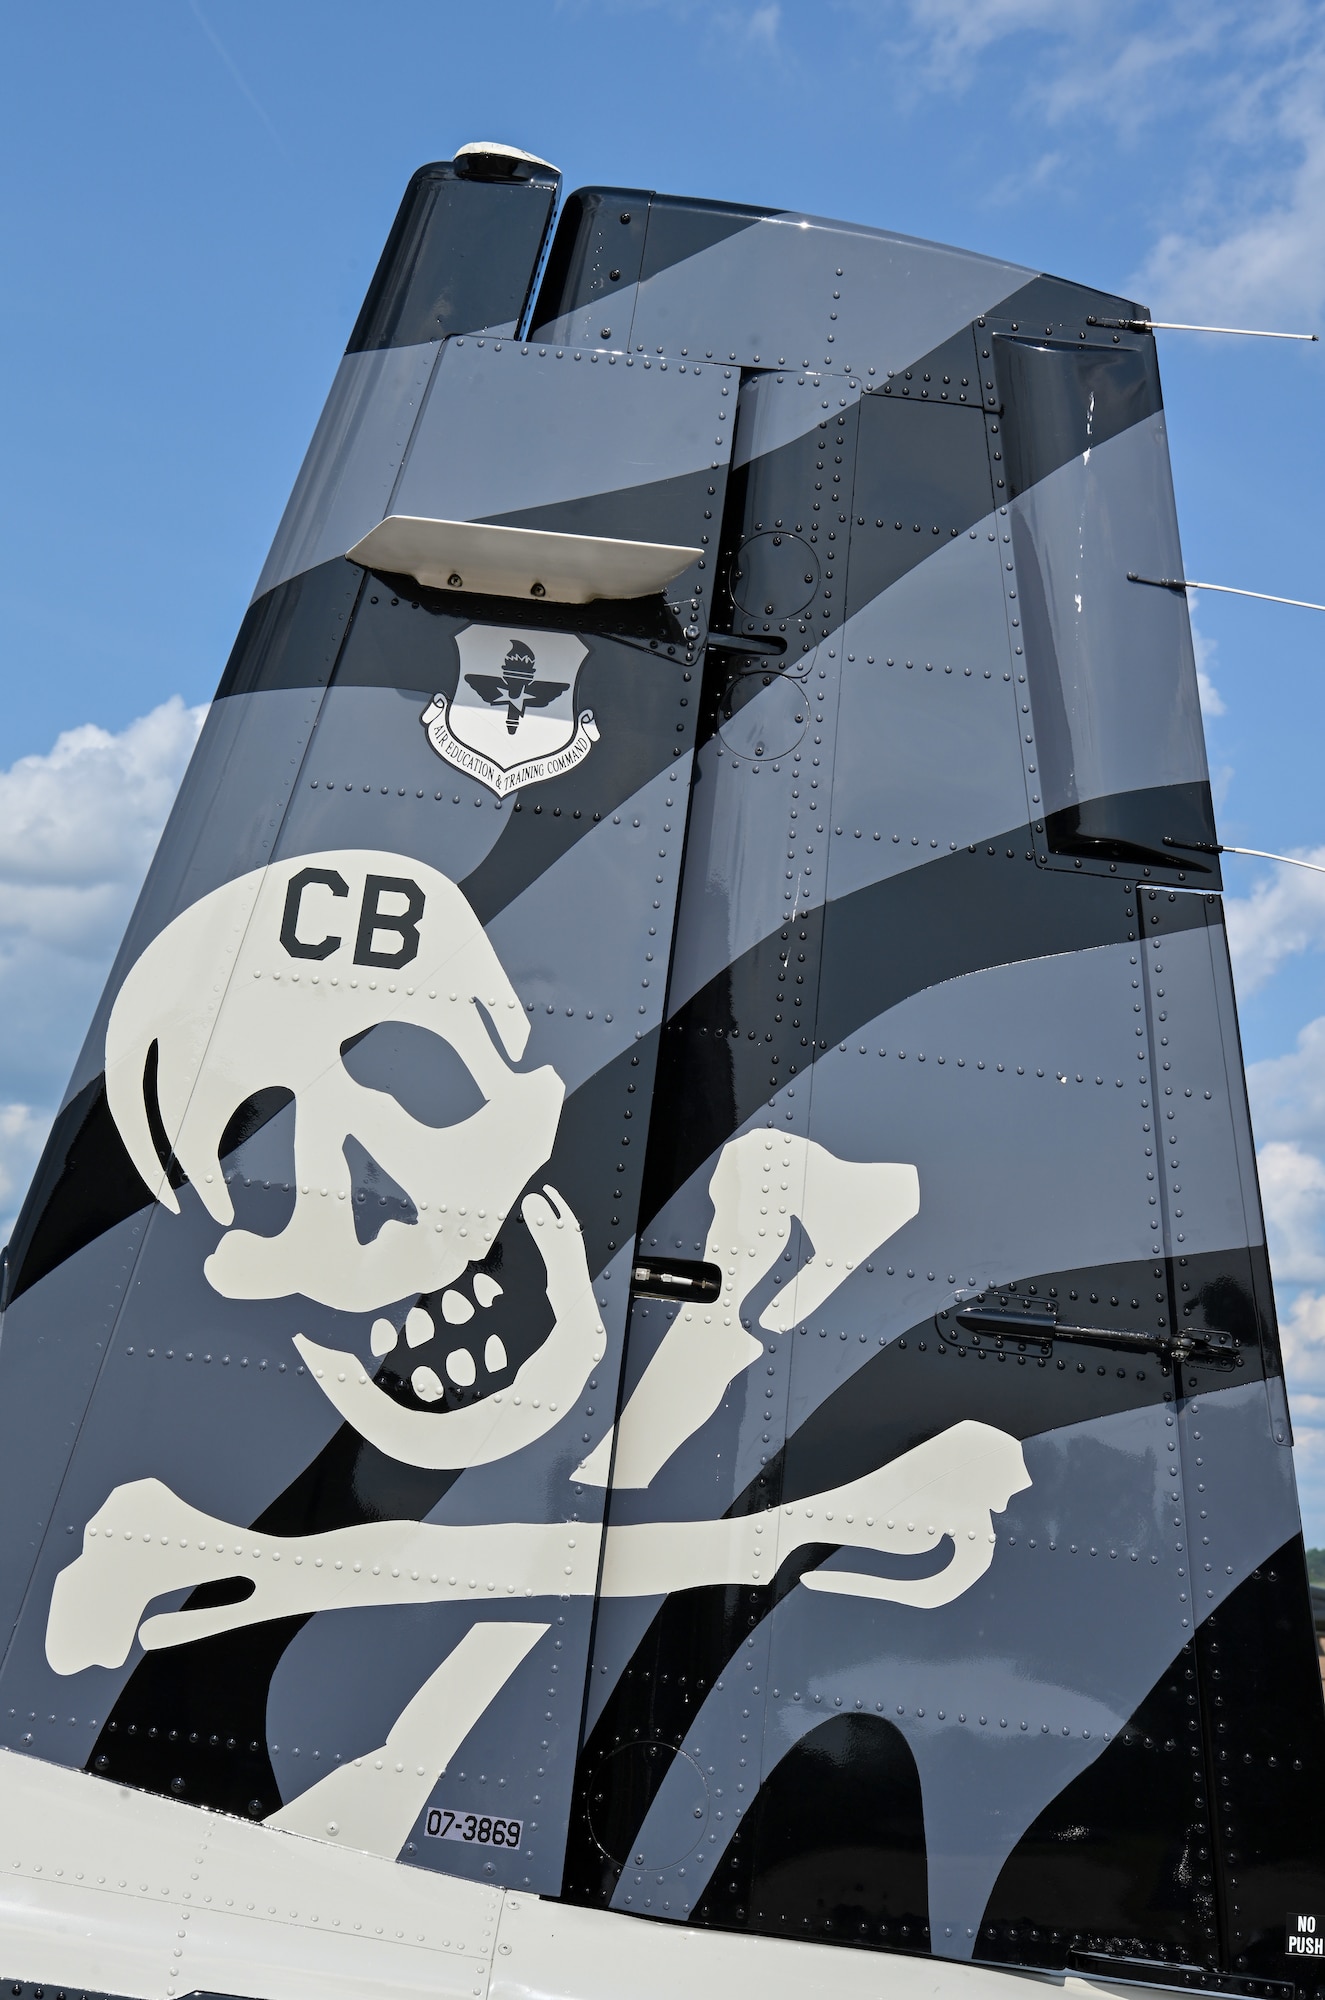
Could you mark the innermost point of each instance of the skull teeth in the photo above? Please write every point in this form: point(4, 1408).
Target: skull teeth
point(460, 1367)
point(427, 1385)
point(421, 1327)
point(418, 1326)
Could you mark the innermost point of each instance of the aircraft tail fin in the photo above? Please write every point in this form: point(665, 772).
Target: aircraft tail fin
point(651, 1287)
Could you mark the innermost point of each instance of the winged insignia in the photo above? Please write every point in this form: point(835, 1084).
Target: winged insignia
point(516, 687)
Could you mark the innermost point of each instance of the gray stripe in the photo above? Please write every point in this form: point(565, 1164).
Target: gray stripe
point(769, 421)
point(344, 485)
point(774, 292)
point(508, 428)
point(577, 942)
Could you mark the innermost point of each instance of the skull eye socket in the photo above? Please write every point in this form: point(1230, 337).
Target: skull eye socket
point(426, 1076)
point(257, 1156)
point(252, 1117)
point(376, 1198)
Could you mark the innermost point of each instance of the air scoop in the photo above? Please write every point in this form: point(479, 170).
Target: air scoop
point(493, 561)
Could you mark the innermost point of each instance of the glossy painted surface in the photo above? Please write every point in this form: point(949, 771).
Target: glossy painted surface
point(655, 1241)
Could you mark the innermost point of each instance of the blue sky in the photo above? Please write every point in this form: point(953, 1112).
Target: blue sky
point(196, 194)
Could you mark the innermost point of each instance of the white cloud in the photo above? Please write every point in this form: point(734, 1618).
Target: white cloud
point(727, 28)
point(1123, 61)
point(1211, 699)
point(1293, 1191)
point(22, 1135)
point(78, 827)
point(1240, 237)
point(1283, 915)
point(954, 30)
point(1212, 702)
point(1288, 1110)
point(1288, 1092)
point(1302, 1338)
point(1255, 246)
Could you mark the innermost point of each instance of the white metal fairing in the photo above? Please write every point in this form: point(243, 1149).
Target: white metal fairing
point(115, 1890)
point(520, 562)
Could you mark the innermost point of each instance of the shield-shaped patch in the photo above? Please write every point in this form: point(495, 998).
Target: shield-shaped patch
point(512, 720)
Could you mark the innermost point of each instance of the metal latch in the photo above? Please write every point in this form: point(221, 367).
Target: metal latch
point(1207, 1345)
point(676, 1279)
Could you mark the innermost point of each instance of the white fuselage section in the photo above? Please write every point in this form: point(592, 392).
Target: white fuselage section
point(115, 1890)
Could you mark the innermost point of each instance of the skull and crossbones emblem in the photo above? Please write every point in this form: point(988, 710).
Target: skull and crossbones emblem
point(269, 982)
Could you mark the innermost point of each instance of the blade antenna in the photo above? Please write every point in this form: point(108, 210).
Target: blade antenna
point(1293, 860)
point(1185, 326)
point(1227, 589)
point(1257, 853)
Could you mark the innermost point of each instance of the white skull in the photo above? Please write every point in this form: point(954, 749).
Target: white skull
point(261, 984)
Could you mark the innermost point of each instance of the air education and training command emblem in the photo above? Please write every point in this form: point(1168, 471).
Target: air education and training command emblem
point(512, 720)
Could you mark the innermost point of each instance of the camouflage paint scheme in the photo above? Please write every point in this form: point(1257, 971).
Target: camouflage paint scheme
point(894, 840)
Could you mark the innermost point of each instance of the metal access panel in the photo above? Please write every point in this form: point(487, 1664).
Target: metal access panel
point(373, 1082)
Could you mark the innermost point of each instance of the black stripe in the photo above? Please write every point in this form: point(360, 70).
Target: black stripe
point(461, 256)
point(948, 373)
point(1053, 1899)
point(1133, 829)
point(609, 239)
point(937, 1375)
point(1061, 309)
point(291, 636)
point(84, 1185)
point(922, 479)
point(658, 510)
point(914, 476)
point(1059, 401)
point(866, 1880)
point(30, 1989)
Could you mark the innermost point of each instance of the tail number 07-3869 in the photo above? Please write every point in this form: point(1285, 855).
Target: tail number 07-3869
point(480, 1829)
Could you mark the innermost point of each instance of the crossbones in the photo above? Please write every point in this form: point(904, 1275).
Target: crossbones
point(762, 1179)
point(146, 1542)
point(270, 980)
